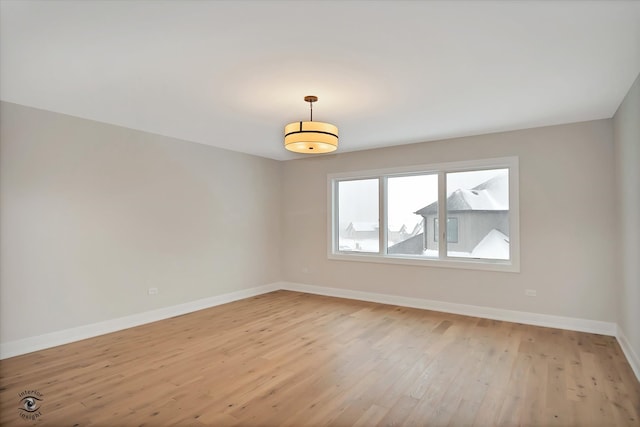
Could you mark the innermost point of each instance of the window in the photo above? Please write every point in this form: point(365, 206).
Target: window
point(406, 194)
point(392, 215)
point(452, 230)
point(481, 198)
point(358, 215)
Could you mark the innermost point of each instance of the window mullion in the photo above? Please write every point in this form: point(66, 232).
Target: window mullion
point(335, 223)
point(382, 221)
point(442, 216)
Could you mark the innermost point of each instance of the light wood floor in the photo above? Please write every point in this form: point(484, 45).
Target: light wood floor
point(292, 359)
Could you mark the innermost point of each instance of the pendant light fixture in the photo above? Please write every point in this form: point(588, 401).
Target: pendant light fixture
point(310, 137)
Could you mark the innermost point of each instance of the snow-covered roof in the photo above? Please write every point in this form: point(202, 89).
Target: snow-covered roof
point(491, 195)
point(399, 228)
point(363, 226)
point(373, 226)
point(495, 245)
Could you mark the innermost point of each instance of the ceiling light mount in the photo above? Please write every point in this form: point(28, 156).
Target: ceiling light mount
point(310, 137)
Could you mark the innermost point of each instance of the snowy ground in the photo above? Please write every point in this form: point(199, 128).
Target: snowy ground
point(495, 245)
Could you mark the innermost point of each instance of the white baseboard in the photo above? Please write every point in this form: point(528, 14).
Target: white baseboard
point(53, 339)
point(631, 355)
point(546, 320)
point(28, 345)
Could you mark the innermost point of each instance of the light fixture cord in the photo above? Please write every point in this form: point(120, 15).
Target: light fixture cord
point(311, 108)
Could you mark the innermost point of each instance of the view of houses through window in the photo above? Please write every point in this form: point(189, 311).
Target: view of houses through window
point(405, 234)
point(358, 215)
point(481, 212)
point(476, 208)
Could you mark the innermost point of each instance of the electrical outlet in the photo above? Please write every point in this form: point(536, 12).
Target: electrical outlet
point(153, 291)
point(530, 292)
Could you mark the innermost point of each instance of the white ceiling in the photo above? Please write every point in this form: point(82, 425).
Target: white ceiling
point(232, 73)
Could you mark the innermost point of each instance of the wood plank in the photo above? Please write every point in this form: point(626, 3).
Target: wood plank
point(293, 359)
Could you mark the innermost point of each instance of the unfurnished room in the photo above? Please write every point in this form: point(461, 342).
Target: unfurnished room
point(319, 213)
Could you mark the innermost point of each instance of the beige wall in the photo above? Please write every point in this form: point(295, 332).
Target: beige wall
point(626, 127)
point(91, 215)
point(566, 227)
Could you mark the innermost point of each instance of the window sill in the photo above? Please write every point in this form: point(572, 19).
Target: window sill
point(468, 264)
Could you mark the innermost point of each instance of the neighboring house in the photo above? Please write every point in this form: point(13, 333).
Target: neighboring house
point(359, 230)
point(417, 229)
point(361, 235)
point(397, 233)
point(414, 245)
point(472, 216)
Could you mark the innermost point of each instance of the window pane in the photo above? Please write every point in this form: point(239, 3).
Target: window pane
point(410, 201)
point(452, 230)
point(479, 202)
point(358, 225)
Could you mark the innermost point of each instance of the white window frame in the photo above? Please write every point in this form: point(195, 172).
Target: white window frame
point(443, 260)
